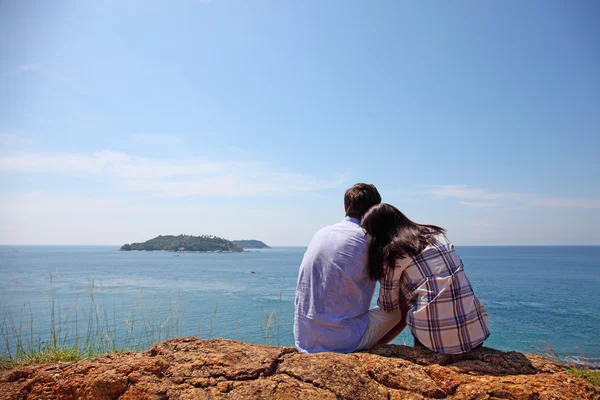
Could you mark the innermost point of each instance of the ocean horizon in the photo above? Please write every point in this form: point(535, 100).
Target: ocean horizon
point(118, 246)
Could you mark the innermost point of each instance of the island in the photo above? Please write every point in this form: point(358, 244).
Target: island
point(204, 243)
point(250, 244)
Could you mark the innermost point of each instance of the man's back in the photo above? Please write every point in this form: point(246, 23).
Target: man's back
point(334, 290)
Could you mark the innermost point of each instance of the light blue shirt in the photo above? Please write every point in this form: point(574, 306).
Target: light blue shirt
point(334, 291)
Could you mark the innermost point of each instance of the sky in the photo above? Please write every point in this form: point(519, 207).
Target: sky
point(124, 120)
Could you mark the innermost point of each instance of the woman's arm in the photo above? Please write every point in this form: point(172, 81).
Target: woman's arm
point(390, 296)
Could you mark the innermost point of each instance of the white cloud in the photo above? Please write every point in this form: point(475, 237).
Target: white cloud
point(227, 186)
point(466, 192)
point(482, 224)
point(46, 74)
point(303, 183)
point(60, 162)
point(164, 177)
point(31, 201)
point(29, 67)
point(266, 213)
point(483, 198)
point(232, 185)
point(566, 202)
point(46, 218)
point(24, 68)
point(159, 140)
point(480, 204)
point(13, 141)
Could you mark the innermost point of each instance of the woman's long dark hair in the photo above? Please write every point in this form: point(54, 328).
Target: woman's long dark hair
point(394, 236)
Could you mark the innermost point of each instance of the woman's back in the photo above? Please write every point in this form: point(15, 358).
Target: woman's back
point(445, 315)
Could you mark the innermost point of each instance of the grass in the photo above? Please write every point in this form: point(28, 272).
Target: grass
point(72, 338)
point(590, 375)
point(582, 370)
point(271, 324)
point(143, 326)
point(86, 329)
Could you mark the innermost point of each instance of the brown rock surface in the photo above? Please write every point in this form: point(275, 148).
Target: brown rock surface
point(191, 368)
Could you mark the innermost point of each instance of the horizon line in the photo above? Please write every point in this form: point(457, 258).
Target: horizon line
point(306, 245)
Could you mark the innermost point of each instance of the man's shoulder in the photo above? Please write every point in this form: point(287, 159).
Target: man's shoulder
point(345, 235)
point(342, 228)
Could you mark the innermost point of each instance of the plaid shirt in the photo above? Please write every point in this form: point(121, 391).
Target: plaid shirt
point(444, 315)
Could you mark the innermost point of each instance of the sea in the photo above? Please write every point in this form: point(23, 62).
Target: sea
point(537, 297)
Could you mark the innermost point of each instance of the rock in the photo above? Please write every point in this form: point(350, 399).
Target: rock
point(191, 368)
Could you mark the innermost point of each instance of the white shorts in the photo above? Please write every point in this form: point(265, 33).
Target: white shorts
point(380, 323)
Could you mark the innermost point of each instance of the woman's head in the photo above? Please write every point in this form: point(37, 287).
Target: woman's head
point(383, 220)
point(393, 236)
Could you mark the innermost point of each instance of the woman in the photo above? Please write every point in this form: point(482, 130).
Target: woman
point(417, 265)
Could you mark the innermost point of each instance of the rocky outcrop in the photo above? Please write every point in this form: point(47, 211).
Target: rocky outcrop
point(191, 368)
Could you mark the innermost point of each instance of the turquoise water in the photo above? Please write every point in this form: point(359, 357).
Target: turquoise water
point(532, 294)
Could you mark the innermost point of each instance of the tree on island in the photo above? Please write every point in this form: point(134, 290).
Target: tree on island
point(184, 243)
point(250, 244)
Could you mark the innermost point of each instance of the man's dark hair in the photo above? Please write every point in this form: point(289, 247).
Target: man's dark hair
point(359, 198)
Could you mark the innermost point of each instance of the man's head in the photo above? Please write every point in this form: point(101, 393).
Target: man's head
point(359, 198)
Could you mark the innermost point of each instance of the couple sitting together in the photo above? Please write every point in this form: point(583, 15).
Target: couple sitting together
point(422, 284)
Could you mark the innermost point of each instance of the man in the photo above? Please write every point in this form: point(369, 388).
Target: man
point(334, 291)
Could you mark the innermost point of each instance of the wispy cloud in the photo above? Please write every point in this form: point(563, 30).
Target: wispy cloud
point(46, 73)
point(232, 185)
point(266, 213)
point(566, 202)
point(159, 139)
point(38, 217)
point(8, 140)
point(482, 224)
point(467, 192)
point(29, 67)
point(164, 177)
point(480, 204)
point(24, 68)
point(474, 197)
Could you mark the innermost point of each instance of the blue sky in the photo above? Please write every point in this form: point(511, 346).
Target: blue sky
point(123, 120)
